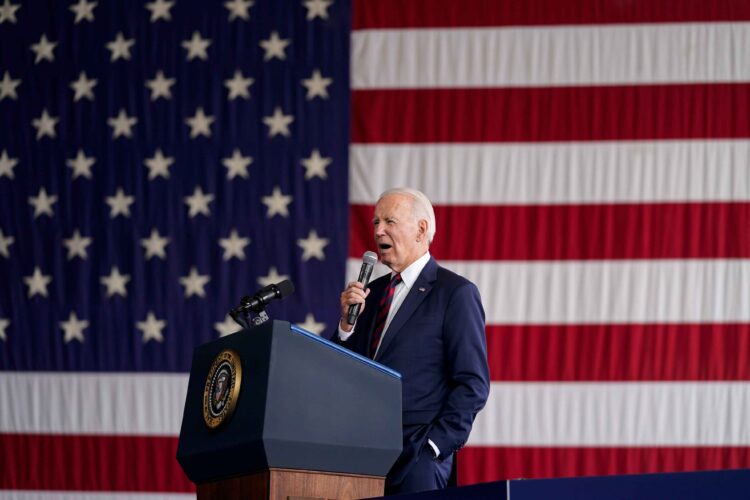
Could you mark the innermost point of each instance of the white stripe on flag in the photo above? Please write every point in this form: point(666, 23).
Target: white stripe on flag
point(551, 56)
point(92, 403)
point(627, 291)
point(605, 172)
point(615, 414)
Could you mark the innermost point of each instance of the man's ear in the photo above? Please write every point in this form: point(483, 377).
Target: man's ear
point(422, 228)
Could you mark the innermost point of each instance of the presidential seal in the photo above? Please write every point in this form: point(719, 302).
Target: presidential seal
point(222, 388)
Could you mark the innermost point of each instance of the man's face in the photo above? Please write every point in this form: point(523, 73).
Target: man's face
point(401, 239)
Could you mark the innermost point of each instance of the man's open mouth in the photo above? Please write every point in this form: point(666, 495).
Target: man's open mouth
point(384, 246)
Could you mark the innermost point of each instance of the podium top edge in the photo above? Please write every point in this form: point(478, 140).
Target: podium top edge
point(346, 352)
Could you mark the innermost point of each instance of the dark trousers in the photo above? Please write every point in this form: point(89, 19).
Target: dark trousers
point(425, 473)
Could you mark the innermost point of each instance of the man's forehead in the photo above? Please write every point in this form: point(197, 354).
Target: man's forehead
point(393, 204)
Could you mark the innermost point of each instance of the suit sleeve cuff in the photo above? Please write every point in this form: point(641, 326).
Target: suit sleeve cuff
point(343, 336)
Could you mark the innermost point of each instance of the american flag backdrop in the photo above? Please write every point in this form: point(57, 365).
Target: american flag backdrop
point(159, 160)
point(590, 166)
point(588, 159)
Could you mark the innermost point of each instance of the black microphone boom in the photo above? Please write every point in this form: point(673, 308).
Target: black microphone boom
point(262, 297)
point(369, 259)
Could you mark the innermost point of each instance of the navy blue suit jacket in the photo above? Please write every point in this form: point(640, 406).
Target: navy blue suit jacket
point(437, 342)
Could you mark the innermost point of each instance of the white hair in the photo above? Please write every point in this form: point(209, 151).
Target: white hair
point(422, 207)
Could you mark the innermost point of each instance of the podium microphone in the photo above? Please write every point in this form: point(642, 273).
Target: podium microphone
point(369, 259)
point(258, 302)
point(262, 297)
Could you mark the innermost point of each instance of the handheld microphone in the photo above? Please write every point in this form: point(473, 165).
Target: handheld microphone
point(262, 297)
point(369, 259)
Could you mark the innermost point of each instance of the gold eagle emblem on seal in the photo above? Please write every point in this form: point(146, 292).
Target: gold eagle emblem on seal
point(222, 388)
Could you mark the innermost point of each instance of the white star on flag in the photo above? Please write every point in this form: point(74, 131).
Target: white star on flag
point(7, 165)
point(227, 327)
point(317, 8)
point(316, 85)
point(238, 86)
point(8, 12)
point(312, 326)
point(238, 9)
point(37, 283)
point(83, 10)
point(5, 243)
point(45, 125)
point(76, 245)
point(198, 202)
point(196, 47)
point(272, 277)
point(312, 246)
point(155, 245)
point(237, 164)
point(158, 165)
point(44, 49)
point(73, 328)
point(4, 323)
point(122, 124)
point(160, 86)
point(81, 164)
point(200, 124)
point(160, 10)
point(151, 328)
point(119, 204)
point(43, 203)
point(274, 46)
point(278, 123)
point(115, 283)
point(234, 246)
point(120, 47)
point(8, 87)
point(315, 166)
point(83, 87)
point(277, 203)
point(194, 283)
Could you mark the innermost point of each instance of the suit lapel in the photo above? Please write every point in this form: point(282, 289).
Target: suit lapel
point(417, 294)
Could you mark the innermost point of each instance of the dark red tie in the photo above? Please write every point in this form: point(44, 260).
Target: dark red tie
point(383, 308)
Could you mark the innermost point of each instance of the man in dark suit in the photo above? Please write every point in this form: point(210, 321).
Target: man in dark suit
point(427, 323)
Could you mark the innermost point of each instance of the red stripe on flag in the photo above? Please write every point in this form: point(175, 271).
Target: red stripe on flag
point(462, 115)
point(619, 352)
point(480, 464)
point(91, 463)
point(559, 232)
point(368, 14)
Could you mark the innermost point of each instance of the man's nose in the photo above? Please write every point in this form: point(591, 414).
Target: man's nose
point(378, 230)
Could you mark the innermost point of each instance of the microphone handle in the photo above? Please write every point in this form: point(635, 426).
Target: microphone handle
point(364, 278)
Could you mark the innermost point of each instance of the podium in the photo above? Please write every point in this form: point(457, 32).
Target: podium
point(277, 412)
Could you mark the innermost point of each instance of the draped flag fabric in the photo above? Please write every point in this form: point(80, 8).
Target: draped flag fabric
point(588, 160)
point(158, 161)
point(590, 166)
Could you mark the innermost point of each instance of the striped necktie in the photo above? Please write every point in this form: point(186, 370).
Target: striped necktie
point(383, 308)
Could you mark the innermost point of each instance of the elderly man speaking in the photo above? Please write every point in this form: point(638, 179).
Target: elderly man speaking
point(427, 323)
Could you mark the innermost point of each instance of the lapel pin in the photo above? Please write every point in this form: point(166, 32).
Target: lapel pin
point(422, 289)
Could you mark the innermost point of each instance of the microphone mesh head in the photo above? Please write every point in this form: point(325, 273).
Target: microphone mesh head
point(285, 287)
point(370, 258)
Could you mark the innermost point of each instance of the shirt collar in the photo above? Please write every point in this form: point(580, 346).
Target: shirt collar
point(411, 273)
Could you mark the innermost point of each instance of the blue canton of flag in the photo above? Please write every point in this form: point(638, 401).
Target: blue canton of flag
point(160, 161)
